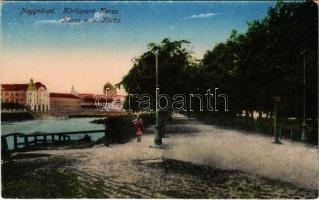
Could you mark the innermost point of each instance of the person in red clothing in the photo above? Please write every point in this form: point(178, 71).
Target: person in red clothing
point(138, 127)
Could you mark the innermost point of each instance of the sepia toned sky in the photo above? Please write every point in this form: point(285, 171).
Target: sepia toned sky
point(87, 55)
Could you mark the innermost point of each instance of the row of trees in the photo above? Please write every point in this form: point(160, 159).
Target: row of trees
point(267, 61)
point(252, 67)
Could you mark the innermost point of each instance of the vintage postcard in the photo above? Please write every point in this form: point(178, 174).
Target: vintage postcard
point(159, 99)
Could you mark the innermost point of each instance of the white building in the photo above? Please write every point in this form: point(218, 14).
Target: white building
point(38, 98)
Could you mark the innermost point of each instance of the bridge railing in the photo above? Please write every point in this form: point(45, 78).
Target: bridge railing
point(44, 138)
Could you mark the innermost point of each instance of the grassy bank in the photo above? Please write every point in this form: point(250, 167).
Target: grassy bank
point(44, 178)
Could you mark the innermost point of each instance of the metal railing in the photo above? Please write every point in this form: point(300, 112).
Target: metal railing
point(43, 138)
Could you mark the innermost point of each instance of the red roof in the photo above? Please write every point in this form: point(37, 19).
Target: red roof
point(39, 84)
point(20, 87)
point(63, 95)
point(14, 87)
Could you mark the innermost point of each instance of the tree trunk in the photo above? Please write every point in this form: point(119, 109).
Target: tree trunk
point(251, 117)
point(164, 123)
point(247, 117)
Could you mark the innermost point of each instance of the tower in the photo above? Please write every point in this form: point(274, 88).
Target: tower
point(109, 90)
point(32, 96)
point(74, 92)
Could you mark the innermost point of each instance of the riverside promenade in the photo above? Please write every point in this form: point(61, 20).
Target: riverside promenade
point(200, 161)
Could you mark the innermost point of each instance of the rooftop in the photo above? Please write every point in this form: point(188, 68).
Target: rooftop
point(64, 95)
point(20, 87)
point(14, 87)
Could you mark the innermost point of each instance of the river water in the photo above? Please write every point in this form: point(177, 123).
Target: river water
point(52, 125)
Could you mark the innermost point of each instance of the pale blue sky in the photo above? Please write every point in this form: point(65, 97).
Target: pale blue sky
point(88, 55)
point(202, 23)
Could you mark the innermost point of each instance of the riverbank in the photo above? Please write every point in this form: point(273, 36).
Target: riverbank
point(21, 116)
point(18, 116)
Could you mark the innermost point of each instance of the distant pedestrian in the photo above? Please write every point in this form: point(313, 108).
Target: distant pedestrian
point(138, 127)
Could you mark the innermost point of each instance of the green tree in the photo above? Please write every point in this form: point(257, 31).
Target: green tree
point(175, 64)
point(266, 61)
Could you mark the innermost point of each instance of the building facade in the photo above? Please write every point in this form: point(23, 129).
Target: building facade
point(94, 102)
point(33, 95)
point(88, 101)
point(14, 93)
point(38, 99)
point(61, 102)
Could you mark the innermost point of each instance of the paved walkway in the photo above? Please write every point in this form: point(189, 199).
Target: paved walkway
point(135, 170)
point(232, 149)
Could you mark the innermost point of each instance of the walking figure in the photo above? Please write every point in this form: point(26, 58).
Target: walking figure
point(138, 127)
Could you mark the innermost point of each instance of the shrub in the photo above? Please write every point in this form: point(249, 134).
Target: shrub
point(121, 128)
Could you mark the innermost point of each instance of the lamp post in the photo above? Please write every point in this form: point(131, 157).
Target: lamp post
point(158, 137)
point(106, 122)
point(304, 126)
point(276, 101)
